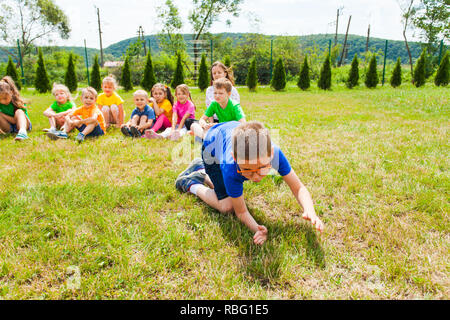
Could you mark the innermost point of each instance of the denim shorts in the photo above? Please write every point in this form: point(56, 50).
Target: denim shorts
point(95, 133)
point(13, 127)
point(215, 174)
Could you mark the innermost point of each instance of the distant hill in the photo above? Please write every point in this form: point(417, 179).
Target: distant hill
point(356, 44)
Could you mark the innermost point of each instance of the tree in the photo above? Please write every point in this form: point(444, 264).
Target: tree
point(41, 82)
point(149, 79)
point(419, 71)
point(12, 72)
point(125, 81)
point(353, 76)
point(203, 77)
point(170, 37)
point(443, 73)
point(30, 20)
point(408, 12)
point(325, 75)
point(252, 76)
point(178, 77)
point(371, 80)
point(279, 76)
point(304, 81)
point(96, 81)
point(396, 78)
point(227, 61)
point(70, 78)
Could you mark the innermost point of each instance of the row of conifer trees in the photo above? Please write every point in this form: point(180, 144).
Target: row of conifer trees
point(42, 82)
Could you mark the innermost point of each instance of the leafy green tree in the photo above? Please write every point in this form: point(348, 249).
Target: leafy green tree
point(252, 77)
point(371, 80)
point(304, 81)
point(203, 77)
point(125, 81)
point(170, 38)
point(41, 81)
point(396, 78)
point(279, 76)
point(178, 77)
point(324, 82)
point(443, 73)
point(419, 75)
point(149, 79)
point(70, 78)
point(12, 72)
point(96, 81)
point(227, 61)
point(353, 76)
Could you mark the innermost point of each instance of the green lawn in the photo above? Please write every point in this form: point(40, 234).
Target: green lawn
point(375, 161)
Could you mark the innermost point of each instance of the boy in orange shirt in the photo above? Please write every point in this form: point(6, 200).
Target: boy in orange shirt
point(88, 119)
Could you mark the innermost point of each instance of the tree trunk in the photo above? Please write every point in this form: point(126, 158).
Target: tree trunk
point(409, 54)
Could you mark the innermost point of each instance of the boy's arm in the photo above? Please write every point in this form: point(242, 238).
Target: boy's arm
point(241, 211)
point(49, 112)
point(304, 199)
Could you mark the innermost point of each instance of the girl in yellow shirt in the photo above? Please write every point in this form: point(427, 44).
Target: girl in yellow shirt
point(162, 101)
point(110, 103)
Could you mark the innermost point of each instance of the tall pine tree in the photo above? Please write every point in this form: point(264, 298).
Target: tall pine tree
point(371, 80)
point(203, 77)
point(178, 77)
point(304, 81)
point(96, 81)
point(252, 76)
point(70, 78)
point(279, 76)
point(396, 78)
point(41, 81)
point(149, 79)
point(125, 81)
point(325, 75)
point(419, 76)
point(12, 72)
point(227, 61)
point(442, 75)
point(353, 76)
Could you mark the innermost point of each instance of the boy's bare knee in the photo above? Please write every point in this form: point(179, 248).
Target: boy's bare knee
point(226, 207)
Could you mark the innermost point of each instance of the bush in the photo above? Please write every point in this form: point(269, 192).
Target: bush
point(304, 81)
point(252, 77)
point(442, 74)
point(419, 75)
point(279, 76)
point(96, 81)
point(125, 80)
point(396, 78)
point(353, 76)
point(324, 82)
point(178, 77)
point(12, 72)
point(203, 76)
point(70, 78)
point(149, 79)
point(227, 61)
point(41, 81)
point(372, 74)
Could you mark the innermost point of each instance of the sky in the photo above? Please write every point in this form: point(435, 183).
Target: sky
point(121, 19)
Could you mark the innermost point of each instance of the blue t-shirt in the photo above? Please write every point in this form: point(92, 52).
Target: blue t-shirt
point(218, 147)
point(148, 111)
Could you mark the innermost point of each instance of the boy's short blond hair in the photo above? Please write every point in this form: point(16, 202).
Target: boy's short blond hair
point(89, 90)
point(223, 83)
point(251, 141)
point(60, 87)
point(140, 93)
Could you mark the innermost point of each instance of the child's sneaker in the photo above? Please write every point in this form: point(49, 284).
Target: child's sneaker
point(175, 136)
point(196, 164)
point(150, 134)
point(21, 136)
point(184, 183)
point(126, 131)
point(80, 137)
point(135, 133)
point(57, 135)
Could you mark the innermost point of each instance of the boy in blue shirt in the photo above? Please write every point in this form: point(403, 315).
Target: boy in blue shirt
point(141, 118)
point(231, 154)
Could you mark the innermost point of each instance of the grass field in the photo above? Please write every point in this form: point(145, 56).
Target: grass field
point(103, 220)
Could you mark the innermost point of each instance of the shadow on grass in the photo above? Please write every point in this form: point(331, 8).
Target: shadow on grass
point(290, 242)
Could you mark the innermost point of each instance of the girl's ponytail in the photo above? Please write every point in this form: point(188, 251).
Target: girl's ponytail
point(169, 95)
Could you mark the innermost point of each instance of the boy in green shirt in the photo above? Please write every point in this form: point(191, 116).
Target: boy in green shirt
point(222, 106)
point(63, 105)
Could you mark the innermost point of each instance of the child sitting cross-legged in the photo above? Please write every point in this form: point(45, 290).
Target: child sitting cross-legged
point(88, 119)
point(60, 108)
point(142, 116)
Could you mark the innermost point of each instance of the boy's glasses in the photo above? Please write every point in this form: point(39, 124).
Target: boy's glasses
point(261, 171)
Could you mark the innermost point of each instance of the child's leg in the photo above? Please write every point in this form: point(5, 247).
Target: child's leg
point(166, 133)
point(21, 119)
point(197, 130)
point(162, 122)
point(135, 120)
point(60, 121)
point(114, 114)
point(209, 196)
point(89, 128)
point(107, 115)
point(5, 126)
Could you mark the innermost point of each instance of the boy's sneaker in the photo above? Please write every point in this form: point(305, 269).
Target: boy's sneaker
point(21, 136)
point(80, 137)
point(184, 183)
point(135, 133)
point(57, 135)
point(126, 131)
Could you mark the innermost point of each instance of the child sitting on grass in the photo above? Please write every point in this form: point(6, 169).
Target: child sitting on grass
point(183, 109)
point(13, 111)
point(162, 102)
point(59, 109)
point(142, 116)
point(110, 103)
point(231, 154)
point(225, 109)
point(88, 119)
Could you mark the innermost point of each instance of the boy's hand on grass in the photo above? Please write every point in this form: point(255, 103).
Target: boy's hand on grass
point(260, 236)
point(315, 221)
